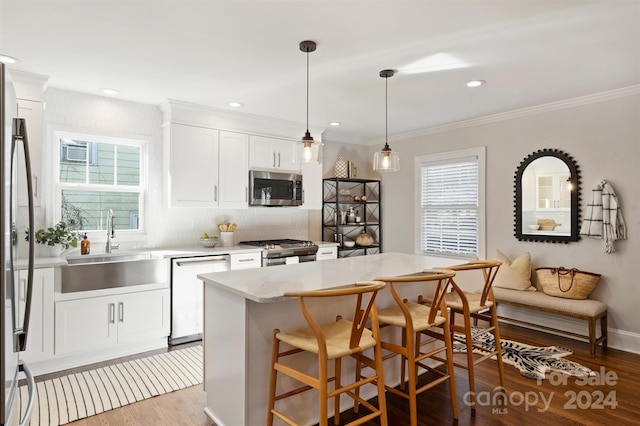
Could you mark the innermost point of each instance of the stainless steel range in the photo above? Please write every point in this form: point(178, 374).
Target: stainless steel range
point(285, 251)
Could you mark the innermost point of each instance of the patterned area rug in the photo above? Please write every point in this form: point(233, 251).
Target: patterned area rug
point(76, 396)
point(532, 361)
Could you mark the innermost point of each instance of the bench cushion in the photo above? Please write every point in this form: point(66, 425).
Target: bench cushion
point(585, 307)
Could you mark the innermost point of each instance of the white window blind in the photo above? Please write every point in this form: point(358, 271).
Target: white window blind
point(450, 207)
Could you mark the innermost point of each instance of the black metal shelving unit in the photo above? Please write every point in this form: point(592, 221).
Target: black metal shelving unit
point(340, 194)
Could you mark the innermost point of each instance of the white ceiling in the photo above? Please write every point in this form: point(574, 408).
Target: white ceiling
point(212, 52)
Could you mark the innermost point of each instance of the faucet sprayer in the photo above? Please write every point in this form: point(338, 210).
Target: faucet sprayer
point(111, 233)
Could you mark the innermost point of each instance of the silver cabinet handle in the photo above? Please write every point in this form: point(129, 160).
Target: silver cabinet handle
point(274, 159)
point(112, 313)
point(327, 252)
point(278, 159)
point(121, 312)
point(246, 194)
point(245, 260)
point(215, 194)
point(202, 261)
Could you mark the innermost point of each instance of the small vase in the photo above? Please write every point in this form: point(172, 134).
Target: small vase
point(341, 168)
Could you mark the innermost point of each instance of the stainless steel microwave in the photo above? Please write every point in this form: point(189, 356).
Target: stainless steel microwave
point(274, 188)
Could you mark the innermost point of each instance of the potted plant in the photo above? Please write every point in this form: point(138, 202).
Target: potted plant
point(61, 235)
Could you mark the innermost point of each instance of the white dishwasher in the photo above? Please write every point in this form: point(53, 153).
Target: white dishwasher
point(187, 294)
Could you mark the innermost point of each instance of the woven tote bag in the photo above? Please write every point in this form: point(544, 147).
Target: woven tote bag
point(567, 283)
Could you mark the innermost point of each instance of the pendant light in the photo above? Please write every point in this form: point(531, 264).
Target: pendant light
point(310, 152)
point(386, 160)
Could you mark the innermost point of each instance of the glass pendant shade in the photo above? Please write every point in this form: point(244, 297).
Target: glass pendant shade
point(309, 151)
point(386, 160)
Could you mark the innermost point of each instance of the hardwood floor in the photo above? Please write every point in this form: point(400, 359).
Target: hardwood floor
point(569, 403)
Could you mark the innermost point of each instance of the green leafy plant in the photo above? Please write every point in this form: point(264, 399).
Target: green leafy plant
point(62, 234)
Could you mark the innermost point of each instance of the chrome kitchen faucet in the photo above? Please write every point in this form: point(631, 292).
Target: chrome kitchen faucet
point(111, 233)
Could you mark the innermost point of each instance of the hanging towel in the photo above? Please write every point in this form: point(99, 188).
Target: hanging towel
point(603, 217)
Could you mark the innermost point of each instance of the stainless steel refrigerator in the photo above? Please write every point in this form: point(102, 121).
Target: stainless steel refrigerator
point(14, 159)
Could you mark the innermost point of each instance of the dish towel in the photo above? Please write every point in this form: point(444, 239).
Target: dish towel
point(603, 217)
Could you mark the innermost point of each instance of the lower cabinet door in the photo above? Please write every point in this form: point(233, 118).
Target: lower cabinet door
point(143, 316)
point(96, 323)
point(85, 324)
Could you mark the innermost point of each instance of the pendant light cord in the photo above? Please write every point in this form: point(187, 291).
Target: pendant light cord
point(386, 112)
point(307, 91)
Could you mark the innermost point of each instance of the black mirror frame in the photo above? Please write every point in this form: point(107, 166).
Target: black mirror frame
point(575, 198)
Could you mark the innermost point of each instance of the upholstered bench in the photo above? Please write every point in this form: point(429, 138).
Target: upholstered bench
point(584, 309)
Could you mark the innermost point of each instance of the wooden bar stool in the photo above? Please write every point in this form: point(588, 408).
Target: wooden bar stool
point(332, 341)
point(474, 307)
point(416, 319)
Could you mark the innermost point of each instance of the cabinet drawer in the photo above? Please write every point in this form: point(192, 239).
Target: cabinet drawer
point(325, 253)
point(246, 260)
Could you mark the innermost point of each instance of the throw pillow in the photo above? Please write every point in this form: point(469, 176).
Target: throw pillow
point(514, 274)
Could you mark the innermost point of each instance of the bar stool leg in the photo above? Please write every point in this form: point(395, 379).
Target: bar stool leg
point(338, 384)
point(272, 380)
point(448, 341)
point(496, 336)
point(413, 374)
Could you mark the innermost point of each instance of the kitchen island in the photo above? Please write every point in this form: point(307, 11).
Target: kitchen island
point(241, 309)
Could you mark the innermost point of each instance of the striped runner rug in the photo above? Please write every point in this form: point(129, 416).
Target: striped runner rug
point(76, 396)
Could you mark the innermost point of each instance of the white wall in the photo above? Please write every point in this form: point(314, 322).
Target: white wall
point(603, 138)
point(165, 227)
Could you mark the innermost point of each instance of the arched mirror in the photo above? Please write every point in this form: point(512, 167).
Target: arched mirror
point(547, 198)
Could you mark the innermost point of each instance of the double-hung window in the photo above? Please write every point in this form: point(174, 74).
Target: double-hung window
point(96, 174)
point(450, 205)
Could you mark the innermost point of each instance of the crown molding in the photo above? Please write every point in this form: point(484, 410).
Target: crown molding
point(553, 106)
point(176, 111)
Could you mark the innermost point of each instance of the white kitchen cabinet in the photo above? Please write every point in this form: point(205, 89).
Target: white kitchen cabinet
point(273, 154)
point(311, 186)
point(233, 170)
point(40, 338)
point(102, 322)
point(246, 260)
point(553, 192)
point(32, 112)
point(193, 165)
point(327, 253)
point(207, 168)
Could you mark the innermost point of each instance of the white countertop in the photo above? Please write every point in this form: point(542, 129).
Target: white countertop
point(269, 284)
point(171, 252)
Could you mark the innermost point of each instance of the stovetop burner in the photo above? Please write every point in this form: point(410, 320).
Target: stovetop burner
point(284, 247)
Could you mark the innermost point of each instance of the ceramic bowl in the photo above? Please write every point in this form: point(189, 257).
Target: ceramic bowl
point(349, 244)
point(534, 227)
point(209, 242)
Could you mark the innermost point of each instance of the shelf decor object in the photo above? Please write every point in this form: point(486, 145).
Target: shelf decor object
point(341, 168)
point(310, 152)
point(386, 160)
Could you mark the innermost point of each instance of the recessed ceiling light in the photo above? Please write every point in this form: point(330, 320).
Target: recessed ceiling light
point(5, 59)
point(108, 91)
point(475, 83)
point(235, 104)
point(335, 123)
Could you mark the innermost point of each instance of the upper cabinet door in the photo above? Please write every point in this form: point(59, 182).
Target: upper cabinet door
point(193, 166)
point(33, 114)
point(312, 186)
point(271, 153)
point(234, 170)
